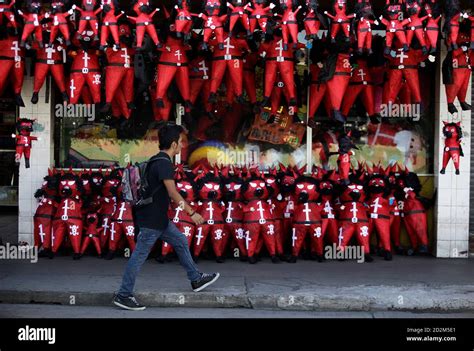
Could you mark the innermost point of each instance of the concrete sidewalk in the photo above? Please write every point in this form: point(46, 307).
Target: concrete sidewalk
point(422, 284)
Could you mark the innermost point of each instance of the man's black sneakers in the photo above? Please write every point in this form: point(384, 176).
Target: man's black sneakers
point(205, 281)
point(128, 303)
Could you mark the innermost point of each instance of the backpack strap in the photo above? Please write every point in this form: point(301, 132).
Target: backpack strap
point(149, 199)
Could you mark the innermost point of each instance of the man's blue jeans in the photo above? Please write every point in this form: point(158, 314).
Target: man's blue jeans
point(145, 241)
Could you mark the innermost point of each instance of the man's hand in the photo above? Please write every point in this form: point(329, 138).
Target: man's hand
point(197, 218)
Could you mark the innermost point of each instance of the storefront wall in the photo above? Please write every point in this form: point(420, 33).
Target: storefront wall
point(451, 210)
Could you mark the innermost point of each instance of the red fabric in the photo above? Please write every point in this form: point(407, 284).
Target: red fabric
point(68, 220)
point(50, 60)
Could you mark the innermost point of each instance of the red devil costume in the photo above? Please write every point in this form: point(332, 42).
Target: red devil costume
point(183, 21)
point(108, 206)
point(32, 25)
point(68, 217)
point(336, 74)
point(238, 13)
point(144, 22)
point(233, 214)
point(360, 85)
point(109, 24)
point(119, 72)
point(452, 23)
point(317, 89)
point(456, 76)
point(85, 71)
point(50, 60)
point(24, 138)
point(289, 23)
point(173, 64)
point(415, 26)
point(211, 208)
point(258, 219)
point(364, 27)
point(186, 188)
point(353, 219)
point(259, 15)
point(12, 63)
point(379, 210)
point(340, 20)
point(91, 235)
point(88, 18)
point(122, 225)
point(213, 23)
point(199, 78)
point(432, 25)
point(278, 60)
point(395, 25)
point(403, 65)
point(395, 199)
point(6, 9)
point(43, 218)
point(228, 59)
point(345, 152)
point(59, 23)
point(278, 206)
point(312, 23)
point(414, 215)
point(329, 226)
point(307, 219)
point(452, 145)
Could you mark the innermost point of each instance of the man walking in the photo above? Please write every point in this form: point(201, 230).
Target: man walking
point(154, 224)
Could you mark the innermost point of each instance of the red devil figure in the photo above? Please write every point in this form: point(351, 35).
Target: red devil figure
point(6, 9)
point(258, 218)
point(345, 152)
point(186, 188)
point(108, 206)
point(213, 23)
point(403, 65)
point(33, 20)
point(210, 193)
point(415, 26)
point(229, 58)
point(289, 23)
point(144, 22)
point(456, 76)
point(364, 27)
point(278, 205)
point(312, 22)
point(307, 219)
point(85, 71)
point(379, 210)
point(360, 85)
point(395, 199)
point(452, 145)
point(353, 219)
point(452, 23)
point(12, 63)
point(109, 24)
point(239, 13)
point(59, 23)
point(88, 18)
point(259, 15)
point(432, 25)
point(340, 20)
point(317, 89)
point(47, 196)
point(173, 64)
point(50, 59)
point(122, 225)
point(395, 25)
point(233, 214)
point(199, 78)
point(92, 234)
point(183, 21)
point(279, 60)
point(119, 73)
point(68, 217)
point(414, 215)
point(329, 227)
point(24, 138)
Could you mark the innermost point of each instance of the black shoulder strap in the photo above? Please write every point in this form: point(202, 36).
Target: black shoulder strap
point(146, 173)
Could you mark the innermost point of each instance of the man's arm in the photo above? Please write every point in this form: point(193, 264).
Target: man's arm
point(177, 198)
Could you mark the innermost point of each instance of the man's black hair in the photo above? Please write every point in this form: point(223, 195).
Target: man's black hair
point(168, 134)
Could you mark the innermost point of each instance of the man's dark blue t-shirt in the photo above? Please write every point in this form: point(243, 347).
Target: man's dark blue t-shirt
point(155, 215)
